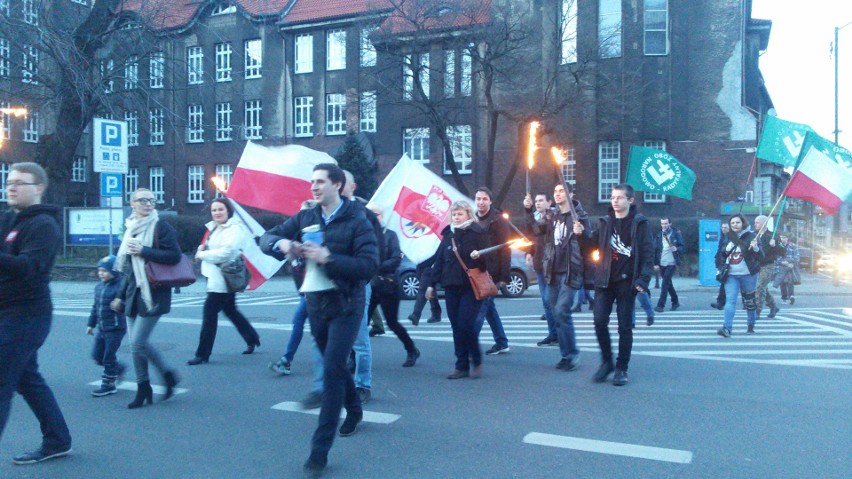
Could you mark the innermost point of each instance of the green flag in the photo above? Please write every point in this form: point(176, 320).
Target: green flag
point(781, 141)
point(656, 171)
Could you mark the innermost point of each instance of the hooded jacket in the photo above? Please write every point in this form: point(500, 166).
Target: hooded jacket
point(642, 249)
point(102, 315)
point(574, 251)
point(30, 241)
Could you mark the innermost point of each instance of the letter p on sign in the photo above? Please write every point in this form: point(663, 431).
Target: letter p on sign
point(110, 134)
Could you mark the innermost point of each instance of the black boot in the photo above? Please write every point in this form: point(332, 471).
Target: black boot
point(171, 380)
point(143, 393)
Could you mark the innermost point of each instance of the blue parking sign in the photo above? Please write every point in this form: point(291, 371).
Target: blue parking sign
point(109, 146)
point(111, 184)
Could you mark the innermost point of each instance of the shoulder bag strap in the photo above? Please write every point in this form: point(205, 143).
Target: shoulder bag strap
point(455, 250)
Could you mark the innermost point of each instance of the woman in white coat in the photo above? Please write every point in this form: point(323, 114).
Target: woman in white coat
point(227, 235)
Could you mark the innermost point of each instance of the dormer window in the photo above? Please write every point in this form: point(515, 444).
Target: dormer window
point(224, 8)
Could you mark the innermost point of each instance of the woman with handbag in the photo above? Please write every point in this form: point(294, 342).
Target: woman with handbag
point(146, 240)
point(738, 263)
point(226, 236)
point(462, 237)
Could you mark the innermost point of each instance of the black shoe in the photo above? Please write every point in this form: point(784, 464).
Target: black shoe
point(171, 378)
point(750, 329)
point(497, 349)
point(364, 394)
point(312, 401)
point(411, 360)
point(434, 319)
point(196, 361)
point(675, 306)
point(542, 318)
point(577, 308)
point(568, 364)
point(659, 309)
point(773, 310)
point(725, 333)
point(548, 341)
point(620, 377)
point(144, 393)
point(415, 320)
point(792, 300)
point(315, 465)
point(350, 424)
point(458, 374)
point(41, 454)
point(602, 372)
point(649, 320)
point(250, 347)
point(717, 305)
point(376, 332)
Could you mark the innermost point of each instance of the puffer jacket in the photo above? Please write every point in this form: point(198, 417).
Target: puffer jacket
point(224, 244)
point(641, 246)
point(576, 265)
point(446, 268)
point(165, 250)
point(102, 315)
point(349, 236)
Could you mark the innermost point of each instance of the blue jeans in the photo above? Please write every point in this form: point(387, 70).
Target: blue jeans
point(335, 321)
point(668, 287)
point(20, 339)
point(104, 349)
point(140, 329)
point(746, 283)
point(363, 352)
point(489, 312)
point(644, 301)
point(462, 307)
point(561, 298)
point(545, 301)
point(584, 296)
point(299, 318)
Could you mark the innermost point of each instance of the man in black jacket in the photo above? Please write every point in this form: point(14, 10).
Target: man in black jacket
point(31, 238)
point(536, 212)
point(497, 231)
point(626, 264)
point(349, 257)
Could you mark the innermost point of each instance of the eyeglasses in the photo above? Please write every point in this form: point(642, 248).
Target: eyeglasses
point(146, 201)
point(18, 184)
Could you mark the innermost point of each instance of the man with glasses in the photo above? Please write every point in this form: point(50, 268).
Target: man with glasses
point(30, 240)
point(625, 268)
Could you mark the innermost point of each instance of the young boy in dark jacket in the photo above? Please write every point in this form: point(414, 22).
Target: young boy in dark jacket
point(112, 327)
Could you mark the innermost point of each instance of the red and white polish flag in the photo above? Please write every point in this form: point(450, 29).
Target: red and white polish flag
point(276, 178)
point(824, 174)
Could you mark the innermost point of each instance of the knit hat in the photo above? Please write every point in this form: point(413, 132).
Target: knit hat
point(107, 263)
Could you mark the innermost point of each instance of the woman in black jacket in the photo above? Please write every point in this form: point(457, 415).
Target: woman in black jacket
point(741, 253)
point(146, 239)
point(461, 304)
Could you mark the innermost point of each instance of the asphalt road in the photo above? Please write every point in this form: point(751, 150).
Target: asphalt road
point(775, 404)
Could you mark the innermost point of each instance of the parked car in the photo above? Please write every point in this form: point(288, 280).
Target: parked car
point(521, 277)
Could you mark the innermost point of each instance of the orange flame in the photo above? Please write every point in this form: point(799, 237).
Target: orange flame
point(532, 144)
point(558, 155)
point(16, 112)
point(219, 183)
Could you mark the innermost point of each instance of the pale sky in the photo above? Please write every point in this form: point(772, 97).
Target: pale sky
point(798, 65)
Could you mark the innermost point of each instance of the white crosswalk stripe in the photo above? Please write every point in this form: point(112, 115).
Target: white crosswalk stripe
point(807, 337)
point(189, 301)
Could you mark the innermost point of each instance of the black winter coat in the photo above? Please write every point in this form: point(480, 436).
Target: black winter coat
point(497, 232)
point(30, 241)
point(165, 250)
point(391, 255)
point(752, 259)
point(446, 268)
point(102, 315)
point(642, 249)
point(349, 237)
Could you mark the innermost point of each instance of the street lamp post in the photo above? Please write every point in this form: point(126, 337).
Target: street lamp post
point(843, 216)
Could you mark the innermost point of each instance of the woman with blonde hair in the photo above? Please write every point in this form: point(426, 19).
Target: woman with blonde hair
point(463, 236)
point(147, 239)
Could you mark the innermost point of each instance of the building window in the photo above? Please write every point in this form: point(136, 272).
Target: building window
point(335, 114)
point(253, 125)
point(335, 50)
point(131, 183)
point(155, 121)
point(609, 31)
point(368, 111)
point(609, 168)
point(461, 143)
point(303, 122)
point(423, 74)
point(568, 27)
point(106, 75)
point(449, 73)
point(78, 170)
point(223, 122)
point(223, 62)
point(30, 65)
point(304, 52)
point(254, 58)
point(5, 168)
point(224, 173)
point(4, 8)
point(4, 57)
point(415, 144)
point(157, 69)
point(368, 50)
point(466, 80)
point(195, 124)
point(132, 119)
point(81, 2)
point(195, 184)
point(223, 8)
point(647, 196)
point(656, 27)
point(31, 125)
point(569, 166)
point(407, 78)
point(155, 183)
point(5, 119)
point(195, 65)
point(30, 12)
point(131, 72)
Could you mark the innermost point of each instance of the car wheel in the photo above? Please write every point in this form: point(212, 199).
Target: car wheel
point(409, 284)
point(516, 286)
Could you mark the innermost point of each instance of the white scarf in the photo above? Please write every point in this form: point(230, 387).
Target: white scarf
point(143, 230)
point(461, 226)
